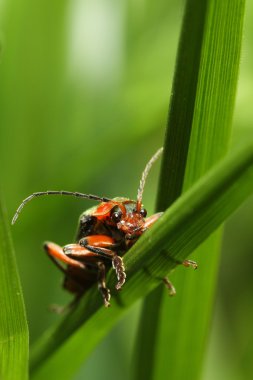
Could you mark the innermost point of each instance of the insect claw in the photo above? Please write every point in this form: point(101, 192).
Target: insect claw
point(170, 287)
point(105, 294)
point(117, 263)
point(119, 285)
point(190, 263)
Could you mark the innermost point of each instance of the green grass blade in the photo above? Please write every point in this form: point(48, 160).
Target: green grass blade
point(176, 146)
point(181, 112)
point(185, 225)
point(210, 103)
point(13, 324)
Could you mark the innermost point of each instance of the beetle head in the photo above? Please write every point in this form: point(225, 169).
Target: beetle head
point(132, 221)
point(123, 214)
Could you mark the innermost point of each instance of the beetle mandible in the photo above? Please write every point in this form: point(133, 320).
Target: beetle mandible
point(105, 233)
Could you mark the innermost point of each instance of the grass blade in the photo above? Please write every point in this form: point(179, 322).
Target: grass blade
point(205, 115)
point(181, 112)
point(13, 324)
point(186, 224)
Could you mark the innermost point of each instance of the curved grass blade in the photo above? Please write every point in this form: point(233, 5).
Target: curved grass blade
point(13, 324)
point(185, 225)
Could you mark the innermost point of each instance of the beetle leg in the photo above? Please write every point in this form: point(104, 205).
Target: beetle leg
point(89, 252)
point(56, 252)
point(166, 281)
point(100, 244)
point(186, 263)
point(117, 261)
point(169, 286)
point(118, 265)
point(100, 241)
point(189, 263)
point(150, 221)
point(76, 251)
point(53, 259)
point(102, 285)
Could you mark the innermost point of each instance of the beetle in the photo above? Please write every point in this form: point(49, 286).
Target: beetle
point(105, 233)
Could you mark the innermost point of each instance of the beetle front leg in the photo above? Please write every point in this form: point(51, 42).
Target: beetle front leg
point(100, 244)
point(117, 263)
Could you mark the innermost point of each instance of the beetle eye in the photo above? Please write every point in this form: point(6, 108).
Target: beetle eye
point(143, 212)
point(116, 216)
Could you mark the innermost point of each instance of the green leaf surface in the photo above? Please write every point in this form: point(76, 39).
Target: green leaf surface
point(198, 130)
point(185, 225)
point(13, 324)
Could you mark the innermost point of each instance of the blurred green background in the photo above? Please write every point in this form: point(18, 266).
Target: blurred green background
point(84, 93)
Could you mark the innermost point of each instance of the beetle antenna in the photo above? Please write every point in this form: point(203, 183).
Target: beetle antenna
point(52, 192)
point(144, 177)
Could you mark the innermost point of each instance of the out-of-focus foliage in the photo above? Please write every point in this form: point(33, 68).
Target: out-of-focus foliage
point(84, 90)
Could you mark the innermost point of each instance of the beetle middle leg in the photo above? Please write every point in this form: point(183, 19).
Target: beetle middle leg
point(102, 284)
